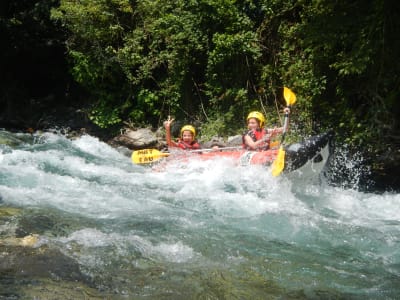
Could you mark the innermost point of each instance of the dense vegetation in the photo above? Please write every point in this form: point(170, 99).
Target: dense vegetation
point(208, 62)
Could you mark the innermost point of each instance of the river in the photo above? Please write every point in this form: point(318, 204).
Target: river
point(205, 230)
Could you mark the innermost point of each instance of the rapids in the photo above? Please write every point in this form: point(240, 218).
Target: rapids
point(205, 230)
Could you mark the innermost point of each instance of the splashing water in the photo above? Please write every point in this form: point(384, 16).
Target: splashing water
point(202, 230)
point(347, 169)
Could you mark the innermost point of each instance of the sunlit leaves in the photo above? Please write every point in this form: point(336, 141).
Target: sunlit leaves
point(215, 59)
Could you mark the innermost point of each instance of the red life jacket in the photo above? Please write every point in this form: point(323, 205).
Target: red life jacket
point(185, 146)
point(255, 134)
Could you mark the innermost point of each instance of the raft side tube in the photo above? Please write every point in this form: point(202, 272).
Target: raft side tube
point(299, 154)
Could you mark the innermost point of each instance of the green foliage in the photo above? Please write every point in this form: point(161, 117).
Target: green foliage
point(161, 54)
point(215, 60)
point(229, 62)
point(104, 116)
point(336, 56)
point(83, 70)
point(95, 28)
point(186, 53)
point(213, 127)
point(149, 103)
point(350, 54)
point(222, 124)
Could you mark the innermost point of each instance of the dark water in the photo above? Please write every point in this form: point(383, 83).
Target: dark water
point(105, 228)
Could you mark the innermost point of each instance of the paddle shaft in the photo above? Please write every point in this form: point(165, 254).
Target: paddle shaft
point(285, 126)
point(217, 149)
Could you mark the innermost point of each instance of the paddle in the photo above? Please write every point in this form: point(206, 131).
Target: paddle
point(148, 156)
point(279, 162)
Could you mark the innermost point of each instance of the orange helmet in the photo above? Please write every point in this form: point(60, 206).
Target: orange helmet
point(188, 128)
point(257, 115)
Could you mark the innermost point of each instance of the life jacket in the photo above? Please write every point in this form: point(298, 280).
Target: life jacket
point(185, 146)
point(255, 134)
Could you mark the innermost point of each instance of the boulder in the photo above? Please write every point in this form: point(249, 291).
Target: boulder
point(215, 141)
point(136, 139)
point(235, 140)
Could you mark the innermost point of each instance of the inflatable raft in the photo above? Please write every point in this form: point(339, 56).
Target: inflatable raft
point(313, 151)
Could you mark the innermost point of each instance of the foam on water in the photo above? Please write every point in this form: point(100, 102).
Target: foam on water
point(90, 238)
point(198, 212)
point(101, 180)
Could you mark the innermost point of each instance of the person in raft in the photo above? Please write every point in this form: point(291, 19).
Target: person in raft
point(187, 139)
point(257, 137)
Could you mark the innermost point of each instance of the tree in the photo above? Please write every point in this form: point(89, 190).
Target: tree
point(143, 60)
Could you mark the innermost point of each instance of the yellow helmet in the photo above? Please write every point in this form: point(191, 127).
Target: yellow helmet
point(257, 115)
point(189, 128)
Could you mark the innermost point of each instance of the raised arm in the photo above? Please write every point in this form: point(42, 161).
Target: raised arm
point(167, 126)
point(278, 130)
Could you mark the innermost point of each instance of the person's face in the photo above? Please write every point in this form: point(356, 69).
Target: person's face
point(252, 124)
point(187, 136)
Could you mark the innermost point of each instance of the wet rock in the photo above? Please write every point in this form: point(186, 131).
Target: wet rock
point(136, 139)
point(7, 138)
point(47, 289)
point(26, 262)
point(37, 224)
point(26, 241)
point(9, 211)
point(41, 273)
point(49, 224)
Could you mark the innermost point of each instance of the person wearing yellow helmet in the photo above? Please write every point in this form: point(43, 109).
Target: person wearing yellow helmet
point(257, 137)
point(187, 137)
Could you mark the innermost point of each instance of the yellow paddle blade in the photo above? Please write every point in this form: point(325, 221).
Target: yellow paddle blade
point(147, 156)
point(289, 96)
point(279, 163)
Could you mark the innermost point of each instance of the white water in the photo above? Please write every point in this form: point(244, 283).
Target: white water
point(206, 229)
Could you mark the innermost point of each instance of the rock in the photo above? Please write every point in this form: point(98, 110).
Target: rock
point(9, 211)
point(160, 133)
point(57, 289)
point(235, 140)
point(232, 141)
point(37, 224)
point(6, 138)
point(215, 141)
point(26, 241)
point(136, 139)
point(21, 261)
